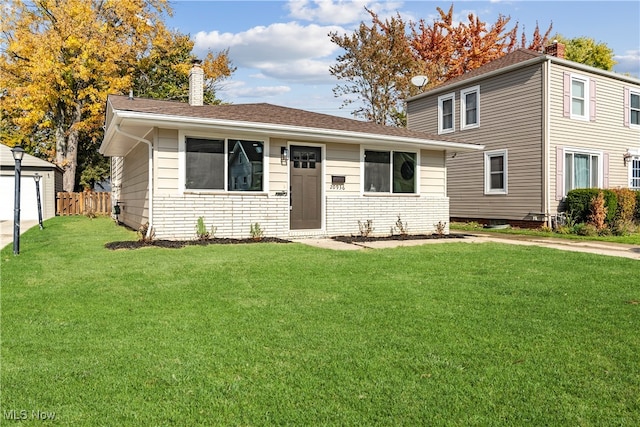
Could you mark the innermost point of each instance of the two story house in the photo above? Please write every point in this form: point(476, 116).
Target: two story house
point(548, 125)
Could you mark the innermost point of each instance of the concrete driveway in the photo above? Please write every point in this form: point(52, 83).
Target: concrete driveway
point(6, 230)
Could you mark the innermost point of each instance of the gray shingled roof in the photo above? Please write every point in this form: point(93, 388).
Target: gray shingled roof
point(265, 114)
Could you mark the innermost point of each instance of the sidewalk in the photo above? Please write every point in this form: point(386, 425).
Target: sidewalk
point(594, 247)
point(6, 230)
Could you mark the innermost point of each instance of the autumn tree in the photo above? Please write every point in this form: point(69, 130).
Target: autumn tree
point(164, 72)
point(587, 51)
point(380, 59)
point(58, 62)
point(375, 68)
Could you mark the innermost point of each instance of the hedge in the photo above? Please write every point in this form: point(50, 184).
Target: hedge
point(579, 203)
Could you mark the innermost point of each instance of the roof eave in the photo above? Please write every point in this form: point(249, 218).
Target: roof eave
point(329, 135)
point(466, 82)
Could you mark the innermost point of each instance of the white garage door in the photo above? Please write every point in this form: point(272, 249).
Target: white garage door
point(28, 201)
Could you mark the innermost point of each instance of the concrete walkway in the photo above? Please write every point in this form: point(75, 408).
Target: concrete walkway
point(594, 247)
point(6, 230)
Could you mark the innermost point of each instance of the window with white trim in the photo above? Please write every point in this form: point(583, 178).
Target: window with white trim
point(224, 164)
point(390, 171)
point(495, 172)
point(634, 173)
point(579, 97)
point(582, 169)
point(446, 113)
point(634, 108)
point(470, 108)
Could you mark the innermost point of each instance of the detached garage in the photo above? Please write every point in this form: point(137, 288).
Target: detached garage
point(50, 184)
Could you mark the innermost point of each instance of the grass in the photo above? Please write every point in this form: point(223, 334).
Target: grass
point(285, 334)
point(631, 239)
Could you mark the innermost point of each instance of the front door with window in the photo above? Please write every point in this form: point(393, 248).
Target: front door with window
point(306, 188)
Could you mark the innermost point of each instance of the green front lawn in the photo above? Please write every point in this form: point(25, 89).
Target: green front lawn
point(285, 334)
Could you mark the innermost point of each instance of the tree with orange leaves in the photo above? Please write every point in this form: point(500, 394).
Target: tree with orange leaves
point(60, 59)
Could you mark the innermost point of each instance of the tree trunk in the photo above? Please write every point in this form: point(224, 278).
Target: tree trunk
point(67, 149)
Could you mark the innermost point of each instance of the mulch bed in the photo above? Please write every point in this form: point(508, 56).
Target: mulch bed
point(176, 244)
point(363, 239)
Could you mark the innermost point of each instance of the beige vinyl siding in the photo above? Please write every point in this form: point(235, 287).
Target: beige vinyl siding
point(433, 174)
point(166, 162)
point(607, 133)
point(135, 194)
point(343, 160)
point(506, 123)
point(278, 172)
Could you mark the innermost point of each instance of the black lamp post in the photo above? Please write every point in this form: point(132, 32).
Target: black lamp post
point(36, 178)
point(18, 153)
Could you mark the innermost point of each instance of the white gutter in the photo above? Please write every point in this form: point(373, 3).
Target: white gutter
point(192, 123)
point(150, 145)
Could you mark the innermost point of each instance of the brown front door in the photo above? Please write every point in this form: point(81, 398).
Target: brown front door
point(306, 188)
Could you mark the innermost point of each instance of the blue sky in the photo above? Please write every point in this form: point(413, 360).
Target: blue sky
point(282, 50)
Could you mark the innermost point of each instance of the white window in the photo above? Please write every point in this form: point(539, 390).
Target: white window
point(579, 97)
point(223, 164)
point(390, 171)
point(582, 169)
point(634, 108)
point(495, 172)
point(446, 113)
point(634, 172)
point(470, 108)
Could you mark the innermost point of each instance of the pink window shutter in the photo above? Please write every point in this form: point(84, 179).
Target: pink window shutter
point(559, 173)
point(592, 100)
point(626, 107)
point(566, 96)
point(605, 170)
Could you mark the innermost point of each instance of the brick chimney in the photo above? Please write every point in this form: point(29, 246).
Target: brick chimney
point(555, 49)
point(196, 84)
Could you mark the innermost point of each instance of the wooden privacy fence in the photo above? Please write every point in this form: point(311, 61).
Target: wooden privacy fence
point(86, 203)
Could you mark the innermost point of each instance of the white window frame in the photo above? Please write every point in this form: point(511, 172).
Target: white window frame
point(488, 155)
point(586, 100)
point(441, 100)
point(416, 192)
point(634, 161)
point(572, 150)
point(182, 163)
point(633, 93)
point(463, 108)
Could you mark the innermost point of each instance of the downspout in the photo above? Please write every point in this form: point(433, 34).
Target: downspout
point(150, 145)
point(546, 197)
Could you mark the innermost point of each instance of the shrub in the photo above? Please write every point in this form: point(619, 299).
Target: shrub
point(579, 203)
point(626, 208)
point(366, 228)
point(637, 214)
point(201, 230)
point(401, 227)
point(597, 212)
point(257, 233)
point(583, 229)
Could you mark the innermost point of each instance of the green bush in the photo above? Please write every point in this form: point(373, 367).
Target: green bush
point(637, 214)
point(579, 203)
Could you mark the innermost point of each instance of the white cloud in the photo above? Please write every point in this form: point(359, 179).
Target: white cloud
point(628, 63)
point(239, 89)
point(287, 51)
point(340, 12)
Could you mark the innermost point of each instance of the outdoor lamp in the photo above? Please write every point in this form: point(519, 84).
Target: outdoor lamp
point(18, 153)
point(626, 157)
point(284, 155)
point(36, 178)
